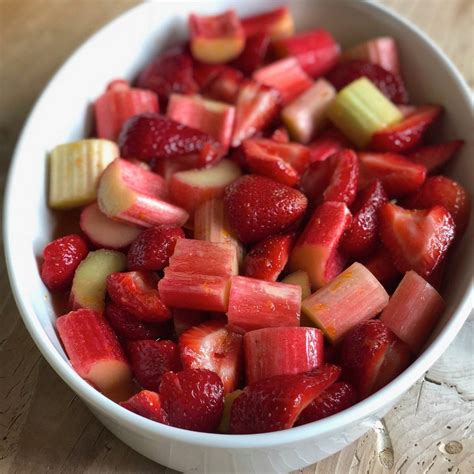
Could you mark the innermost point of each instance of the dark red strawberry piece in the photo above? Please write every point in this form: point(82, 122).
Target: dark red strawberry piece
point(151, 359)
point(337, 397)
point(372, 356)
point(193, 399)
point(214, 347)
point(267, 259)
point(185, 319)
point(204, 73)
point(152, 249)
point(253, 55)
point(275, 403)
point(407, 134)
point(389, 84)
point(381, 265)
point(362, 235)
point(434, 157)
point(399, 175)
point(416, 240)
point(259, 207)
point(154, 136)
point(328, 142)
point(61, 257)
point(147, 404)
point(225, 86)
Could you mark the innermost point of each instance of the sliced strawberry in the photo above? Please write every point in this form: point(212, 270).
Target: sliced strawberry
point(253, 55)
point(389, 84)
point(61, 257)
point(204, 73)
point(213, 346)
point(417, 240)
point(185, 319)
point(434, 157)
point(442, 191)
point(326, 144)
point(337, 397)
point(147, 404)
point(258, 207)
point(225, 86)
point(193, 399)
point(381, 265)
point(407, 134)
point(275, 403)
point(362, 235)
point(399, 175)
point(153, 136)
point(151, 359)
point(372, 356)
point(280, 135)
point(267, 259)
point(334, 179)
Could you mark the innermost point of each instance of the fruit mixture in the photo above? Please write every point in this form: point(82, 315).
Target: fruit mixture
point(264, 228)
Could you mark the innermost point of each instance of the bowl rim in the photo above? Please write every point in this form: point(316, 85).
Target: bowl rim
point(101, 404)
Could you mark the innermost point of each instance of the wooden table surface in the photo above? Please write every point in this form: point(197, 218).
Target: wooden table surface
point(44, 427)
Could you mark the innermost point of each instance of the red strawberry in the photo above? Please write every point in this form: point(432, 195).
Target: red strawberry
point(254, 53)
point(184, 319)
point(362, 235)
point(334, 179)
point(212, 346)
point(148, 136)
point(442, 191)
point(193, 399)
point(380, 264)
point(399, 176)
point(225, 86)
point(434, 157)
point(337, 397)
point(372, 356)
point(152, 249)
point(204, 73)
point(275, 403)
point(328, 142)
point(417, 240)
point(61, 257)
point(407, 134)
point(151, 359)
point(389, 84)
point(147, 404)
point(258, 207)
point(267, 259)
point(280, 135)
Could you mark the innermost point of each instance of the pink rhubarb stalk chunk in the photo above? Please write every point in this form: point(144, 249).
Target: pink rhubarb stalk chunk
point(277, 23)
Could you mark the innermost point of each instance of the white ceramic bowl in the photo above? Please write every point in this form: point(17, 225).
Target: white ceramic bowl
point(62, 114)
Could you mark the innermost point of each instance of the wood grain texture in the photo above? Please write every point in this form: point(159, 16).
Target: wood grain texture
point(45, 428)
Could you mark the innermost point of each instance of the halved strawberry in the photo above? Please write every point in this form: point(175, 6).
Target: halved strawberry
point(225, 86)
point(326, 144)
point(381, 265)
point(417, 240)
point(213, 346)
point(204, 73)
point(407, 134)
point(254, 53)
point(434, 157)
point(275, 403)
point(184, 319)
point(151, 359)
point(147, 404)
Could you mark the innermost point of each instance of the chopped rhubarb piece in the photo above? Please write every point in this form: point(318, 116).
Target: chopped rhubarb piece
point(286, 76)
point(416, 240)
point(115, 106)
point(326, 144)
point(213, 346)
point(185, 319)
point(225, 86)
point(194, 291)
point(224, 426)
point(154, 136)
point(275, 403)
point(216, 39)
point(434, 157)
point(95, 352)
point(280, 351)
point(337, 397)
point(258, 207)
point(407, 134)
point(372, 356)
point(209, 116)
point(316, 250)
point(301, 279)
point(413, 310)
point(255, 304)
point(202, 257)
point(361, 237)
point(148, 405)
point(353, 296)
point(256, 106)
point(267, 259)
point(316, 50)
point(104, 232)
point(306, 114)
point(131, 194)
point(380, 264)
point(151, 359)
point(253, 55)
point(399, 175)
point(89, 283)
point(61, 257)
point(277, 23)
point(189, 189)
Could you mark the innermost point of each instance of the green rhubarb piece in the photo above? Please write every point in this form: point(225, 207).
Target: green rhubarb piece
point(229, 399)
